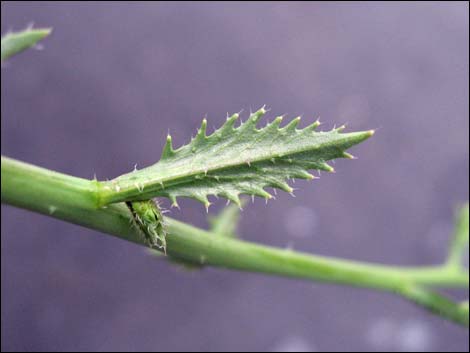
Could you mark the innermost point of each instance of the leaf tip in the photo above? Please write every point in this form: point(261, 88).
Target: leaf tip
point(292, 125)
point(278, 120)
point(201, 134)
point(254, 117)
point(348, 155)
point(44, 32)
point(168, 148)
point(313, 126)
point(174, 203)
point(310, 176)
point(329, 168)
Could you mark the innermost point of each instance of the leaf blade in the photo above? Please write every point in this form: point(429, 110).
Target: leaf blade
point(235, 160)
point(16, 42)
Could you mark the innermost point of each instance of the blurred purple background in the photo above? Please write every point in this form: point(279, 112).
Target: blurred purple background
point(114, 78)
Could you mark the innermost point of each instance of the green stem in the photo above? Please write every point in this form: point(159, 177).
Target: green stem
point(74, 200)
point(459, 244)
point(437, 303)
point(191, 244)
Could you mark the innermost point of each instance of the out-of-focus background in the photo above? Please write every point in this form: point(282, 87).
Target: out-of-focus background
point(114, 78)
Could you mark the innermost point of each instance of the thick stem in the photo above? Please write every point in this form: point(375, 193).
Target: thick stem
point(74, 200)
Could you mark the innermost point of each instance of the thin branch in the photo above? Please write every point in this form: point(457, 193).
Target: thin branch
point(437, 303)
point(73, 199)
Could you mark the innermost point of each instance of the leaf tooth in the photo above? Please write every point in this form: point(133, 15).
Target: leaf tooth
point(276, 122)
point(232, 196)
point(348, 155)
point(167, 149)
point(292, 125)
point(203, 128)
point(313, 126)
point(262, 110)
point(174, 203)
point(228, 125)
point(325, 166)
point(303, 174)
point(201, 197)
point(282, 185)
point(257, 191)
point(273, 126)
point(250, 124)
point(316, 165)
point(201, 133)
point(339, 129)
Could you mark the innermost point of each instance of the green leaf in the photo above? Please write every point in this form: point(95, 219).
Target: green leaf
point(15, 42)
point(233, 161)
point(225, 223)
point(460, 241)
